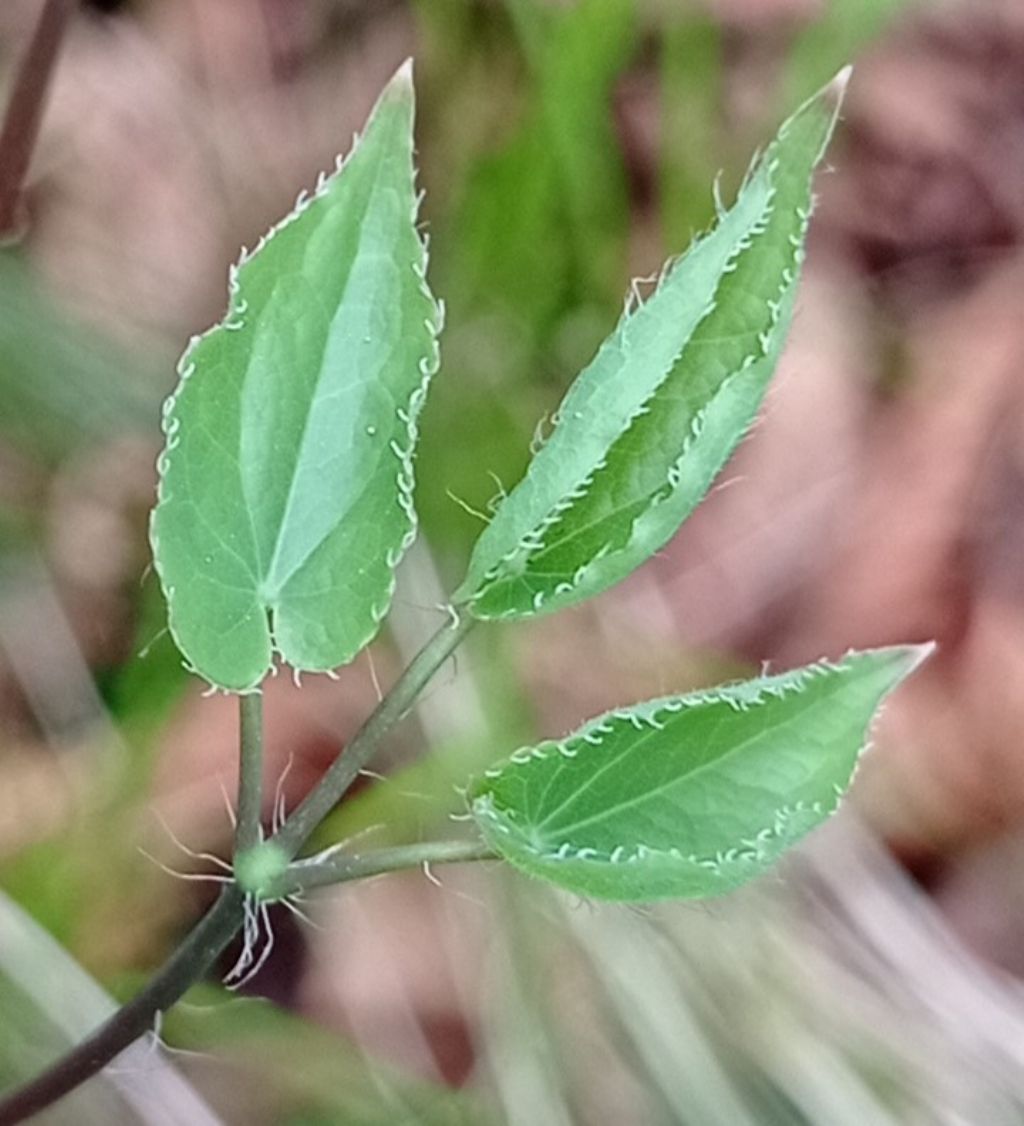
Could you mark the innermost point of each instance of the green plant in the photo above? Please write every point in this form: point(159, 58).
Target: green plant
point(286, 503)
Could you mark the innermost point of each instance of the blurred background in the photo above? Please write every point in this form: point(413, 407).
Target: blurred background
point(565, 148)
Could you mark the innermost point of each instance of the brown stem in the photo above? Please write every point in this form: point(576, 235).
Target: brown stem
point(25, 108)
point(187, 965)
point(197, 954)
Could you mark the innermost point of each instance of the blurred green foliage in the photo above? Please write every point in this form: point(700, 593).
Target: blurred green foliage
point(302, 1074)
point(529, 235)
point(63, 386)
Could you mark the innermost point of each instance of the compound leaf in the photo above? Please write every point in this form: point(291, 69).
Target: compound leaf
point(688, 796)
point(646, 427)
point(285, 496)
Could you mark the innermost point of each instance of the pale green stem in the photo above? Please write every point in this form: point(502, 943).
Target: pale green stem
point(248, 832)
point(363, 745)
point(339, 869)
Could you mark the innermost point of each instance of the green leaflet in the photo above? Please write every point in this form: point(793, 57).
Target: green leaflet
point(643, 431)
point(285, 497)
point(688, 796)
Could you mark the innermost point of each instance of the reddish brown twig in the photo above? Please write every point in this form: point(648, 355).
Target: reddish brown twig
point(25, 108)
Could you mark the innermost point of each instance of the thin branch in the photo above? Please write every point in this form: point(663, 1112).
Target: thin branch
point(339, 869)
point(198, 953)
point(248, 832)
point(187, 965)
point(25, 107)
point(361, 748)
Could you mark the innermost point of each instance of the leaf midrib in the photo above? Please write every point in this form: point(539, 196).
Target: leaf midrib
point(271, 599)
point(617, 338)
point(687, 776)
point(641, 496)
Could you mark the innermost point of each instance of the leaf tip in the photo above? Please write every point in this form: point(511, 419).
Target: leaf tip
point(914, 656)
point(905, 660)
point(401, 82)
point(835, 91)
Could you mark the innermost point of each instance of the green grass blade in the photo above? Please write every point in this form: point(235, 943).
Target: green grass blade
point(286, 482)
point(688, 796)
point(838, 31)
point(644, 430)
